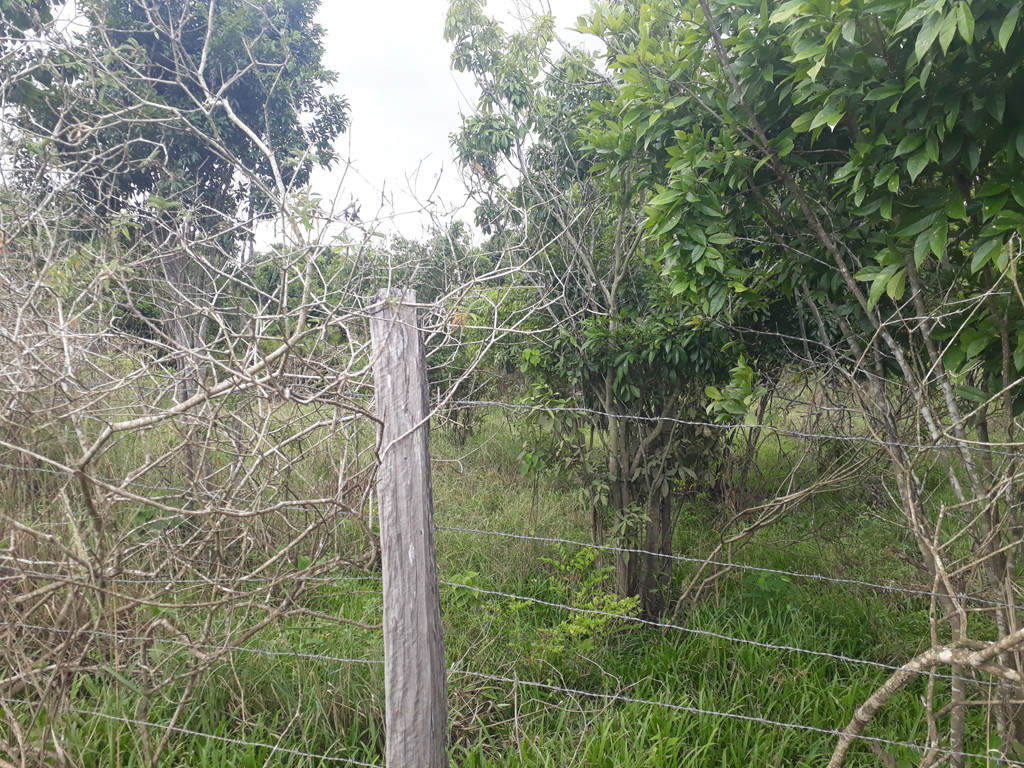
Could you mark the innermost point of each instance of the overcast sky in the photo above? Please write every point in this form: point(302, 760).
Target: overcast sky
point(393, 66)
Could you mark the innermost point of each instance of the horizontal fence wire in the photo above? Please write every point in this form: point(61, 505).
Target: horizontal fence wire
point(213, 648)
point(724, 564)
point(831, 732)
point(274, 748)
point(497, 593)
point(18, 572)
point(521, 407)
point(864, 439)
point(706, 632)
point(134, 485)
point(713, 713)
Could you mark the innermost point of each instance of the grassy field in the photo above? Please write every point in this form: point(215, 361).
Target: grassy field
point(520, 663)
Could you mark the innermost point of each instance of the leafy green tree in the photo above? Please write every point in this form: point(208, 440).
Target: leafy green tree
point(18, 17)
point(865, 158)
point(618, 345)
point(182, 124)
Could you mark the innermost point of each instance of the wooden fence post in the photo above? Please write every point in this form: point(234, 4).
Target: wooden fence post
point(415, 690)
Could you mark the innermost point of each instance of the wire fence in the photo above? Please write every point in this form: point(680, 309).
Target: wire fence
point(709, 712)
point(12, 570)
point(727, 564)
point(273, 749)
point(627, 618)
point(212, 650)
point(187, 455)
point(950, 444)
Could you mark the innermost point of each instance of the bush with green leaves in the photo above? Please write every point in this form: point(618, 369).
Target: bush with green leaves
point(865, 159)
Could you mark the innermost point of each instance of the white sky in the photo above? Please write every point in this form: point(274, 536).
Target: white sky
point(393, 66)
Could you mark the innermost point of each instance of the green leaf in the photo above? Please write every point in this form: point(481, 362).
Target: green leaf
point(973, 155)
point(786, 12)
point(992, 188)
point(965, 22)
point(897, 285)
point(884, 92)
point(921, 247)
point(867, 274)
point(909, 144)
point(1003, 259)
point(665, 197)
point(983, 252)
point(992, 206)
point(955, 209)
point(996, 105)
point(697, 234)
point(916, 164)
point(937, 240)
point(917, 13)
point(717, 303)
point(845, 172)
point(925, 38)
point(670, 221)
point(884, 174)
point(972, 394)
point(1008, 25)
point(803, 123)
point(829, 115)
point(976, 345)
point(878, 287)
point(947, 30)
point(915, 226)
point(953, 358)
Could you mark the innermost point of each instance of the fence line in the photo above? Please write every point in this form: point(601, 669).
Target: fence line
point(497, 593)
point(529, 683)
point(737, 566)
point(714, 713)
point(726, 426)
point(186, 644)
point(274, 748)
point(18, 572)
point(227, 649)
point(134, 484)
point(703, 632)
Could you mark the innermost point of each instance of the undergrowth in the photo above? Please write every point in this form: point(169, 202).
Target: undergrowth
point(531, 654)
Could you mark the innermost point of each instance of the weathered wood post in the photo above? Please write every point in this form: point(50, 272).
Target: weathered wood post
point(416, 704)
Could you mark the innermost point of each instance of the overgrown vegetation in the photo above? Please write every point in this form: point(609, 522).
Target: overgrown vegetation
point(726, 390)
point(301, 699)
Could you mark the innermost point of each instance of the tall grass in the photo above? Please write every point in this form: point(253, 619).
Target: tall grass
point(335, 708)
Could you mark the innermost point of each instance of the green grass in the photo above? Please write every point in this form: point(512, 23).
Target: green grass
point(336, 708)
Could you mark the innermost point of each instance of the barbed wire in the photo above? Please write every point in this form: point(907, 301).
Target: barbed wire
point(170, 580)
point(135, 485)
point(576, 609)
point(702, 632)
point(713, 713)
point(182, 643)
point(723, 564)
point(864, 439)
point(274, 748)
